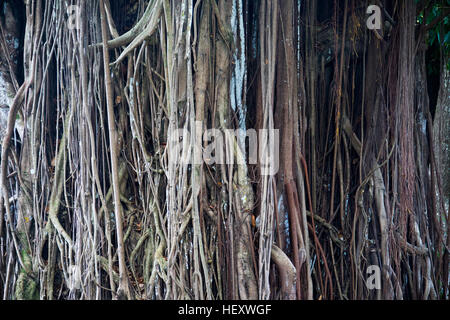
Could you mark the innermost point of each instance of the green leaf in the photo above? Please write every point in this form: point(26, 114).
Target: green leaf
point(447, 38)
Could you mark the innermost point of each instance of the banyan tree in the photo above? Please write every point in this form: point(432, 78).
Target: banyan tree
point(332, 117)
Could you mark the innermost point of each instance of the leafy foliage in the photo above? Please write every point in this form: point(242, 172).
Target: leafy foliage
point(440, 32)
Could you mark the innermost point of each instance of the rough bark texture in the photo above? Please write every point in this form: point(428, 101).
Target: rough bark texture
point(114, 116)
